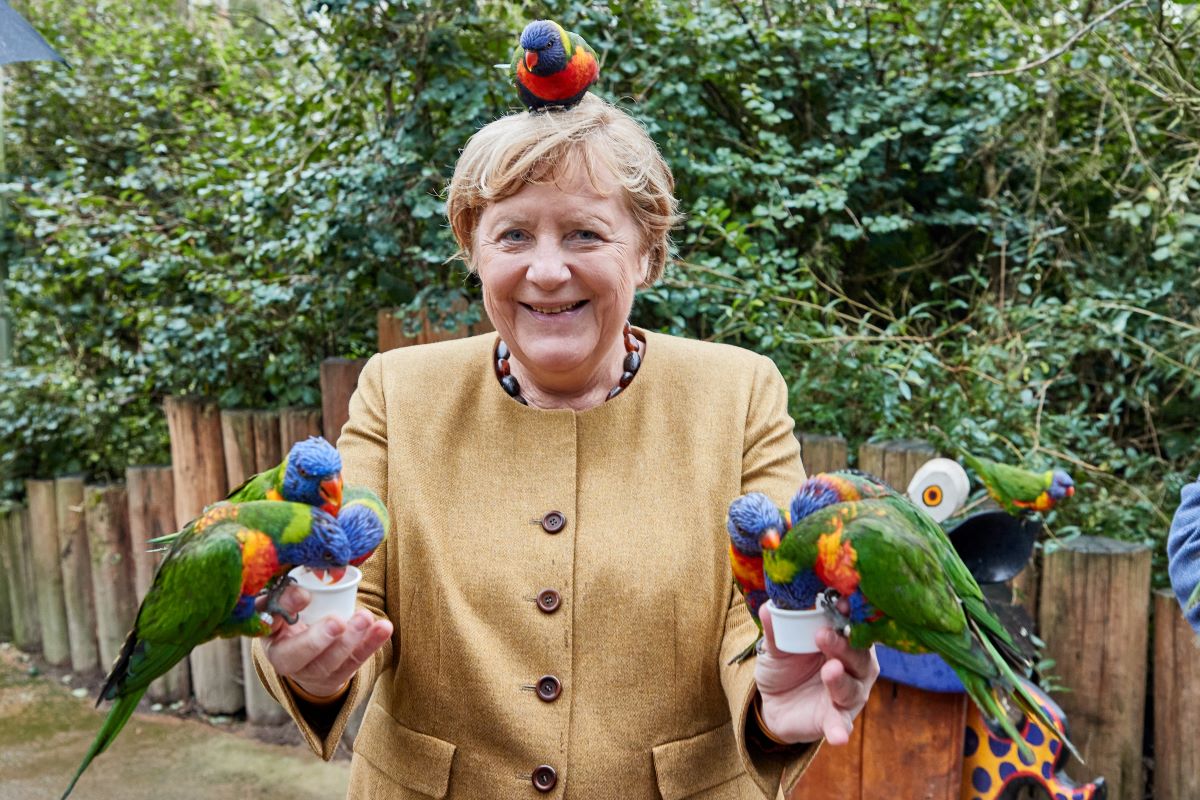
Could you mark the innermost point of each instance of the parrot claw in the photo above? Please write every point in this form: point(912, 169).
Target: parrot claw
point(273, 594)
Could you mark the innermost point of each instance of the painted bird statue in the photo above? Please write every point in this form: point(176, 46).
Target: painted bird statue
point(552, 66)
point(752, 518)
point(904, 590)
point(364, 520)
point(1021, 491)
point(206, 588)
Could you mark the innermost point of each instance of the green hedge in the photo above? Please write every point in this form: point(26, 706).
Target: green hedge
point(1004, 261)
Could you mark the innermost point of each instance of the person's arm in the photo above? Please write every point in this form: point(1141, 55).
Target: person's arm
point(1183, 550)
point(804, 698)
point(320, 674)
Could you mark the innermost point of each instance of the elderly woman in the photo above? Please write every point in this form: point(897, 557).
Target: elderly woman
point(554, 610)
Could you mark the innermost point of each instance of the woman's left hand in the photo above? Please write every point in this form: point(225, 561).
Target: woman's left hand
point(807, 696)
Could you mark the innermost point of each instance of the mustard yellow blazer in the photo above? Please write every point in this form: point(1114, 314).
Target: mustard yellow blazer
point(559, 581)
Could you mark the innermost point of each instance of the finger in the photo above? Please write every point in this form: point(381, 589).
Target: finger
point(345, 654)
point(293, 601)
point(837, 727)
point(291, 654)
point(846, 692)
point(769, 648)
point(862, 664)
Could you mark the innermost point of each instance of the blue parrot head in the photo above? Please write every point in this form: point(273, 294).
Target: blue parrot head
point(1061, 485)
point(545, 45)
point(814, 494)
point(751, 517)
point(313, 475)
point(324, 549)
point(364, 530)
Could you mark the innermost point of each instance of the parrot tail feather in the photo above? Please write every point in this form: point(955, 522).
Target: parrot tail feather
point(118, 715)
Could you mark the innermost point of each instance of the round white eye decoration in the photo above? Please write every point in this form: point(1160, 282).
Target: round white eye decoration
point(939, 488)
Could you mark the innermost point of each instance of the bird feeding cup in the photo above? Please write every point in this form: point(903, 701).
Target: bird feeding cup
point(796, 631)
point(328, 599)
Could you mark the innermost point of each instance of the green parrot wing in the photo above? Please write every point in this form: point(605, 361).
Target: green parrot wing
point(578, 41)
point(255, 487)
point(194, 591)
point(901, 573)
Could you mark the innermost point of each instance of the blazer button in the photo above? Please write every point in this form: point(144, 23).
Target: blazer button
point(553, 522)
point(545, 778)
point(548, 688)
point(548, 601)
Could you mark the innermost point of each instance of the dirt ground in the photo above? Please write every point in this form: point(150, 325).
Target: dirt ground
point(45, 729)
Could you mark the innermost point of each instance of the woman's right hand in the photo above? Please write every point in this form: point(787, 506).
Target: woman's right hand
point(322, 658)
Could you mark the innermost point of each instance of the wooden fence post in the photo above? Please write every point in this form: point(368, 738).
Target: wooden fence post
point(296, 424)
point(1094, 610)
point(198, 466)
point(339, 377)
point(1176, 702)
point(268, 448)
point(822, 453)
point(27, 628)
point(106, 517)
point(48, 582)
point(391, 328)
point(75, 560)
point(151, 492)
point(7, 629)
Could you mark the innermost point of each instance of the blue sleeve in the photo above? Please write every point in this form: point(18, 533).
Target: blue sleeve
point(1183, 549)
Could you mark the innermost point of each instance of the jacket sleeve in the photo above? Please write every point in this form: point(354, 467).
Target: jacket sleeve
point(770, 464)
point(363, 447)
point(1183, 550)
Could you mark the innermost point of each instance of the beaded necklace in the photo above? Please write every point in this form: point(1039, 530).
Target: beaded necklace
point(633, 361)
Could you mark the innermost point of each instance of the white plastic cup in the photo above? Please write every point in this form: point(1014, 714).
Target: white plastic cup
point(336, 599)
point(796, 631)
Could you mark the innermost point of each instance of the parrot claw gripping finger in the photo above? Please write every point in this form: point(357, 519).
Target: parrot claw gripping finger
point(273, 595)
point(841, 622)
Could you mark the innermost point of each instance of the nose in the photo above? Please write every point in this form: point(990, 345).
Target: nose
point(548, 268)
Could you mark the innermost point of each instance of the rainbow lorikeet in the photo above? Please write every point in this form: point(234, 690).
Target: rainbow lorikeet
point(552, 66)
point(1020, 491)
point(205, 588)
point(902, 594)
point(310, 473)
point(752, 517)
point(364, 520)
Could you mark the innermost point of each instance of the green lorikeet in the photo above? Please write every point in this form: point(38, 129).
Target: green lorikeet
point(552, 66)
point(310, 473)
point(751, 518)
point(1019, 491)
point(205, 588)
point(901, 588)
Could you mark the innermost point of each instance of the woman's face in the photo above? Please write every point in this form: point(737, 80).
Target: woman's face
point(559, 263)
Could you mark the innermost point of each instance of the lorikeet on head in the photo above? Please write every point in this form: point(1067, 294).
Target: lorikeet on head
point(552, 66)
point(310, 473)
point(206, 588)
point(364, 520)
point(1020, 491)
point(903, 591)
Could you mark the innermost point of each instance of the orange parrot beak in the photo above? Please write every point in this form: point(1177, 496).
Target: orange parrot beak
point(335, 574)
point(770, 539)
point(531, 59)
point(331, 493)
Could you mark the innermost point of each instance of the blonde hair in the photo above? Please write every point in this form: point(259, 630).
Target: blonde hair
point(538, 147)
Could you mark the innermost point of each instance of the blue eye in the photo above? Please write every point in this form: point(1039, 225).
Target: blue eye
point(515, 235)
point(588, 236)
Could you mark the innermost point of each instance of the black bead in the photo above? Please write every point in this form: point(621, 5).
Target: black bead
point(613, 392)
point(633, 361)
point(626, 378)
point(509, 382)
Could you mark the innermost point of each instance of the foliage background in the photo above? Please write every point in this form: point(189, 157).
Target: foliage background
point(216, 197)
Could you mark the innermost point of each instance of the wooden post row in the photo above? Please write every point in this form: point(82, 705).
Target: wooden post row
point(906, 742)
point(18, 564)
point(339, 377)
point(198, 467)
point(75, 560)
point(391, 328)
point(151, 492)
point(1176, 702)
point(242, 432)
point(7, 630)
point(296, 424)
point(1095, 603)
point(48, 583)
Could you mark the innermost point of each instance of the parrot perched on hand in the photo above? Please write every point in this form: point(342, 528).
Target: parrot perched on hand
point(902, 589)
point(364, 520)
point(1020, 491)
point(552, 66)
point(206, 587)
point(752, 517)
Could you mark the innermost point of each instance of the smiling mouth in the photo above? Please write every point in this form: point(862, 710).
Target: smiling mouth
point(555, 309)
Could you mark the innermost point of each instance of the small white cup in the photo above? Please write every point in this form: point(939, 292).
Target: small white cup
point(796, 631)
point(336, 599)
